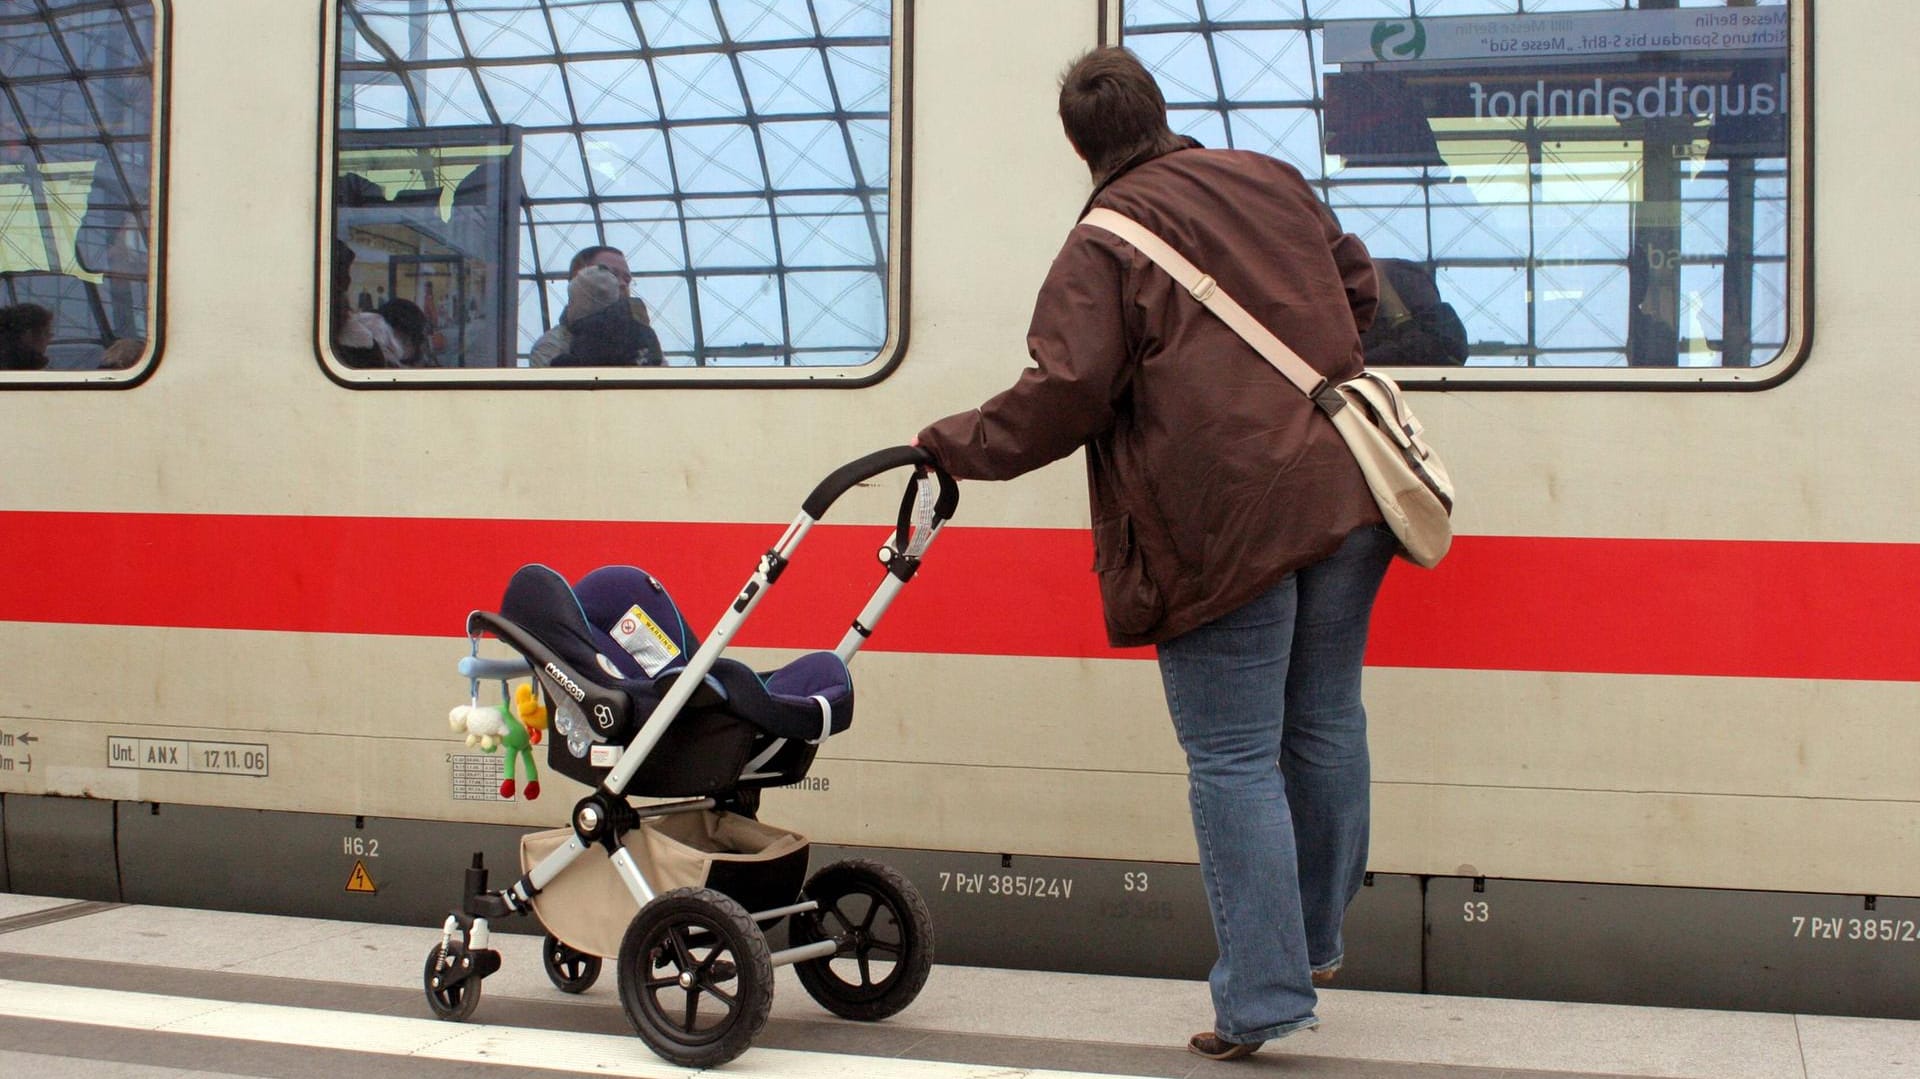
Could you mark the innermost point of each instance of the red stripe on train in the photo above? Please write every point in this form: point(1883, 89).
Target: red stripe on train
point(1684, 607)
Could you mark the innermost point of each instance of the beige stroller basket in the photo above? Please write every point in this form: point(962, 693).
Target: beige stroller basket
point(755, 864)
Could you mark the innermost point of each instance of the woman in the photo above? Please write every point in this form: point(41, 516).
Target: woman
point(1232, 528)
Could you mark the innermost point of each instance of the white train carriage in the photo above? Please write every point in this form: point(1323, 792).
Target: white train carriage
point(1665, 679)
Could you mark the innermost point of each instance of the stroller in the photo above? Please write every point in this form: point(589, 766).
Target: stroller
point(681, 902)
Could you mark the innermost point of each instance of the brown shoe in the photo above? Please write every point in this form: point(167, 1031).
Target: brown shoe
point(1214, 1047)
point(1322, 977)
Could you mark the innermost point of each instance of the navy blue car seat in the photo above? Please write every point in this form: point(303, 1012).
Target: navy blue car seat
point(740, 728)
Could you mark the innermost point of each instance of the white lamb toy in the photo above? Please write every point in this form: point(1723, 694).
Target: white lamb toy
point(485, 727)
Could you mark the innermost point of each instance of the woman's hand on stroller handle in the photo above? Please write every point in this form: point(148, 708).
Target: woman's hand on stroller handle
point(853, 472)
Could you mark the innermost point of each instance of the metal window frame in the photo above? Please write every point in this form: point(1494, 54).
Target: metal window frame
point(895, 278)
point(156, 208)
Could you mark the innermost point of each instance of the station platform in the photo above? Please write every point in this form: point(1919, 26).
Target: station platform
point(141, 992)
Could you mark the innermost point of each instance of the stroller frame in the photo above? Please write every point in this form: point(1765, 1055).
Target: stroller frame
point(464, 958)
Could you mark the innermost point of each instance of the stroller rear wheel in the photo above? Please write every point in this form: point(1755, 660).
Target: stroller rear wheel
point(885, 936)
point(449, 1000)
point(569, 970)
point(696, 978)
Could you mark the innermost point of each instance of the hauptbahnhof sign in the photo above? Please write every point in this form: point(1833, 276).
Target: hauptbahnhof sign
point(1718, 75)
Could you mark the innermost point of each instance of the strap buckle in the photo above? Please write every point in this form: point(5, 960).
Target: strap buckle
point(1204, 288)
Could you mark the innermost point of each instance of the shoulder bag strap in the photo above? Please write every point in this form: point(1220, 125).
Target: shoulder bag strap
point(1203, 288)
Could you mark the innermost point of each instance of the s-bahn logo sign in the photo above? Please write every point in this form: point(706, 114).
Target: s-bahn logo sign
point(1399, 40)
point(1566, 37)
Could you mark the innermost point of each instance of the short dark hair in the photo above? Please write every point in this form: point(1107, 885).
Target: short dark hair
point(1112, 109)
point(21, 319)
point(409, 324)
point(588, 254)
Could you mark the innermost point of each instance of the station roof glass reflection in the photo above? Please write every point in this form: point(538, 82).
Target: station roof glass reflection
point(738, 151)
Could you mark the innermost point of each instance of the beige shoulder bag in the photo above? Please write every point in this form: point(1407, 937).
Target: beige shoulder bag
point(1408, 481)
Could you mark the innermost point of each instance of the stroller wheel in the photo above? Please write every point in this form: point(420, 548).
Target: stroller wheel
point(455, 1001)
point(570, 971)
point(696, 978)
point(885, 936)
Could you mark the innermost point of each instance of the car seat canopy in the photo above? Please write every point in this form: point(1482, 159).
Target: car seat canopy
point(541, 602)
point(640, 619)
point(620, 627)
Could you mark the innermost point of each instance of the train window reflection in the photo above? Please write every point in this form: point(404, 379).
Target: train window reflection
point(1546, 186)
point(78, 171)
point(596, 189)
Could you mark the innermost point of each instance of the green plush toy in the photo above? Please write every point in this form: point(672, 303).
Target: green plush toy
point(517, 727)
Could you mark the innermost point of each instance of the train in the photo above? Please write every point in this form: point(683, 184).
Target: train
point(1654, 713)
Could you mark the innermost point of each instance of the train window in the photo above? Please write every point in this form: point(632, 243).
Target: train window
point(79, 167)
point(1555, 191)
point(553, 191)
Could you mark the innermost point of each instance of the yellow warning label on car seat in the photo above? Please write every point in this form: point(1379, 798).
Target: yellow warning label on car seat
point(645, 641)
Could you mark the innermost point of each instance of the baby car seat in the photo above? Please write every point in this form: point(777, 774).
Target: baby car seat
point(607, 650)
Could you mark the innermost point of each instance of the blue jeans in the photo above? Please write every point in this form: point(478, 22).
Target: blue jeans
point(1266, 703)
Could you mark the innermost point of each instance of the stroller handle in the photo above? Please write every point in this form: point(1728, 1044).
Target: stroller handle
point(865, 468)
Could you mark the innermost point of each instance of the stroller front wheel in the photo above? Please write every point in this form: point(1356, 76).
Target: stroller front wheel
point(885, 936)
point(696, 978)
point(570, 970)
point(454, 1000)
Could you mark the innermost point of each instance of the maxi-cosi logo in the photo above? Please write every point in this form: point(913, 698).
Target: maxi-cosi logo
point(566, 683)
point(1395, 40)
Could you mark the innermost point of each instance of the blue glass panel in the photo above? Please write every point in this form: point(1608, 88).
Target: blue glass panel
point(854, 18)
point(788, 81)
point(765, 20)
point(863, 77)
point(1581, 306)
point(382, 104)
point(531, 95)
point(612, 91)
point(836, 308)
point(409, 34)
point(448, 97)
point(1264, 66)
point(651, 234)
point(827, 230)
point(28, 50)
point(551, 166)
point(806, 155)
point(741, 312)
point(590, 28)
point(716, 158)
point(730, 233)
point(99, 41)
point(698, 86)
point(504, 30)
point(628, 162)
point(673, 23)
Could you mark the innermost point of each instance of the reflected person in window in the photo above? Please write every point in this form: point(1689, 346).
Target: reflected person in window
point(1414, 326)
point(410, 344)
point(122, 354)
point(352, 332)
point(597, 329)
point(26, 332)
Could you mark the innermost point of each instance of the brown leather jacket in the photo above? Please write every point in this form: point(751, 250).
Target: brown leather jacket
point(1210, 476)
